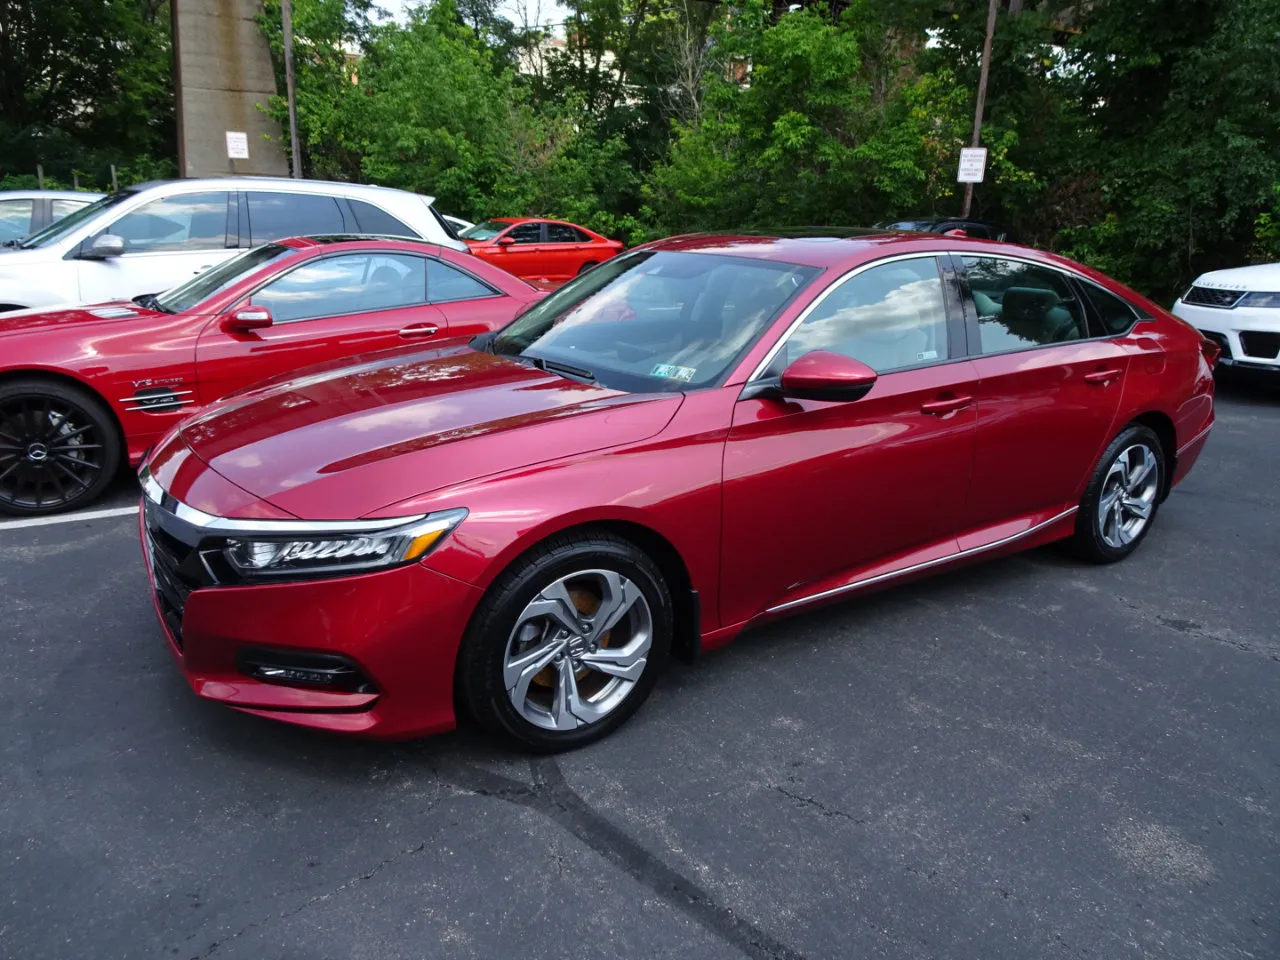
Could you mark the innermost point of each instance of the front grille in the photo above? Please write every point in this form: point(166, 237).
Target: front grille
point(1210, 297)
point(176, 565)
point(1220, 339)
point(1256, 343)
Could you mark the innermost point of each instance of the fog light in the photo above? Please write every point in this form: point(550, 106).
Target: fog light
point(317, 670)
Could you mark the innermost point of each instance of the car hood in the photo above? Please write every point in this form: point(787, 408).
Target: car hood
point(14, 259)
point(341, 444)
point(1263, 278)
point(23, 321)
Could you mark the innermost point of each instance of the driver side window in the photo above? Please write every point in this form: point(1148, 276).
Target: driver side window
point(890, 317)
point(196, 221)
point(526, 233)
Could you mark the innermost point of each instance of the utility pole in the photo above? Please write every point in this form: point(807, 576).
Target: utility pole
point(295, 155)
point(982, 93)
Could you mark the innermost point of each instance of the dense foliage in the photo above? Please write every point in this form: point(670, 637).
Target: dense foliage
point(1142, 136)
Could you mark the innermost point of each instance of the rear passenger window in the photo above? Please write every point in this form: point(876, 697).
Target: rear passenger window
point(562, 233)
point(889, 317)
point(276, 215)
point(1114, 314)
point(370, 219)
point(445, 283)
point(1021, 305)
point(15, 218)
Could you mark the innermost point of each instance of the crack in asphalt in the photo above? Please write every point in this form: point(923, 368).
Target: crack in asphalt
point(217, 945)
point(552, 796)
point(822, 807)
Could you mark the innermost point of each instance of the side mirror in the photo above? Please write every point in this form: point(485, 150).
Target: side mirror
point(247, 319)
point(105, 246)
point(823, 375)
point(505, 241)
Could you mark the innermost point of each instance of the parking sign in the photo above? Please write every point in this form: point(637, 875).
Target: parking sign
point(973, 165)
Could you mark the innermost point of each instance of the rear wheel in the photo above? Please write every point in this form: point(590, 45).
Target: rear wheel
point(567, 643)
point(1122, 498)
point(59, 448)
point(589, 265)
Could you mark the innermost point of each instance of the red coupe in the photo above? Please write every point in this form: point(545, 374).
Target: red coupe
point(698, 435)
point(545, 252)
point(82, 388)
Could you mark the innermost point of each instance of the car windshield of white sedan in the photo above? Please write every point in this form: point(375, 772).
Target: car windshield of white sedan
point(205, 284)
point(484, 231)
point(72, 220)
point(651, 321)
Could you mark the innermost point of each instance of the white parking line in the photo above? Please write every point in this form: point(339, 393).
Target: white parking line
point(68, 518)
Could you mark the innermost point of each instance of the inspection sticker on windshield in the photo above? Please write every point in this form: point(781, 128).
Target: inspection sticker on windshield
point(673, 372)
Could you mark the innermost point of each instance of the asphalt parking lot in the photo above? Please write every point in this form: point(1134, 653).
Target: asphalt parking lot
point(1027, 758)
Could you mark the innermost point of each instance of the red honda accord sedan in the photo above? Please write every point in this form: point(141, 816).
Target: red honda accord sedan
point(695, 436)
point(82, 388)
point(544, 252)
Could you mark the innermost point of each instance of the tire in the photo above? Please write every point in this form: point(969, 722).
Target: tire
point(75, 436)
point(510, 678)
point(589, 265)
point(1112, 522)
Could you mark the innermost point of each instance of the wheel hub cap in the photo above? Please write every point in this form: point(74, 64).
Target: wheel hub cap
point(577, 649)
point(37, 453)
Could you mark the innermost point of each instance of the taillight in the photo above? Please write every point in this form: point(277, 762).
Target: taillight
point(1211, 352)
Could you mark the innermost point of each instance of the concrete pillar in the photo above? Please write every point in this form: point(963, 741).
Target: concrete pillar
point(222, 73)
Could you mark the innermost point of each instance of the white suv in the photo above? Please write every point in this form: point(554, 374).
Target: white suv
point(1239, 310)
point(153, 236)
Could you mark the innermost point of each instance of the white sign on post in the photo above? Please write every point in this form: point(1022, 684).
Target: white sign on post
point(973, 165)
point(237, 145)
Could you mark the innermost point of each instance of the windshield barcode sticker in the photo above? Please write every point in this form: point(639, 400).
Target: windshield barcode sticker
point(673, 372)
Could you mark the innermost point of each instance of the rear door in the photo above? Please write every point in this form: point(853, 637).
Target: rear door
point(1047, 393)
point(324, 309)
point(566, 251)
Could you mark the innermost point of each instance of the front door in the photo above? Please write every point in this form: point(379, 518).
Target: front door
point(817, 493)
point(524, 255)
point(325, 309)
point(1047, 393)
point(166, 242)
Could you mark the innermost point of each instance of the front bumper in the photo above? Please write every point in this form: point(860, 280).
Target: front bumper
point(1249, 336)
point(400, 628)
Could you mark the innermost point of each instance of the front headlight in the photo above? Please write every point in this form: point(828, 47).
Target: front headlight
point(1260, 300)
point(299, 554)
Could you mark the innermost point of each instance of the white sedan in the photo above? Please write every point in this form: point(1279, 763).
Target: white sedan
point(1239, 310)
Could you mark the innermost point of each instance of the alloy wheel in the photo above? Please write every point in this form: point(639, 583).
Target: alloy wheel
point(1128, 497)
point(50, 452)
point(577, 649)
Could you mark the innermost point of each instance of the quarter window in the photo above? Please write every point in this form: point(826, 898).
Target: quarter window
point(526, 233)
point(370, 219)
point(1114, 314)
point(15, 219)
point(1020, 305)
point(195, 221)
point(889, 317)
point(354, 283)
point(276, 215)
point(446, 284)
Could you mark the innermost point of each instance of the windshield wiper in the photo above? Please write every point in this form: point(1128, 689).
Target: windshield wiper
point(565, 369)
point(151, 302)
point(17, 242)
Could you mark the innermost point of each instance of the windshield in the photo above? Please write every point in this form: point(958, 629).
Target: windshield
point(216, 279)
point(484, 231)
point(60, 228)
point(651, 321)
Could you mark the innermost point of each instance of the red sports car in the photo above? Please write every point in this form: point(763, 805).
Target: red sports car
point(545, 252)
point(83, 387)
point(700, 434)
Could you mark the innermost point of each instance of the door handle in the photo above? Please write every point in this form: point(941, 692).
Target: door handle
point(944, 405)
point(419, 331)
point(1101, 378)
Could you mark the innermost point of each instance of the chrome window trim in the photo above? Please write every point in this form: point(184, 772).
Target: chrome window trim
point(227, 525)
point(781, 342)
point(927, 564)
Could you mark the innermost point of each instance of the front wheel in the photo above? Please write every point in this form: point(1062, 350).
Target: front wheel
point(1122, 498)
point(567, 643)
point(59, 448)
